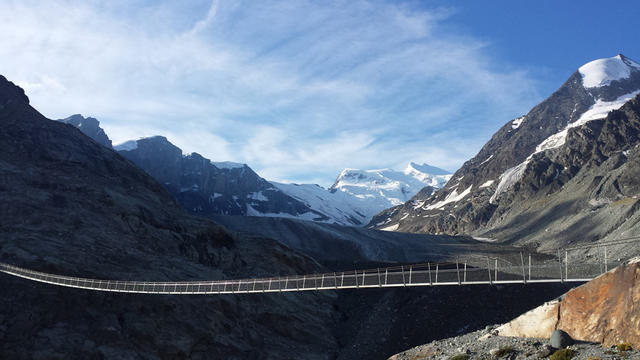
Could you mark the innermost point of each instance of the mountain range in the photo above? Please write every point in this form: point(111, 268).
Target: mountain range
point(227, 188)
point(565, 172)
point(536, 166)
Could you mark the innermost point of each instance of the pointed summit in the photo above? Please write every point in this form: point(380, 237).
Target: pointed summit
point(90, 127)
point(602, 72)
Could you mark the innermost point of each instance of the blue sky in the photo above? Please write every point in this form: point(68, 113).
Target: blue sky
point(300, 90)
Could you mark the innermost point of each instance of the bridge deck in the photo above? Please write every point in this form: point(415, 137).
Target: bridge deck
point(582, 266)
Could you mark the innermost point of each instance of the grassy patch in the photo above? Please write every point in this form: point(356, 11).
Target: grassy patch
point(624, 347)
point(564, 354)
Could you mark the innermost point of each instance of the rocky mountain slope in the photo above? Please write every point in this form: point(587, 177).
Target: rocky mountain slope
point(90, 127)
point(357, 195)
point(565, 172)
point(71, 206)
point(332, 243)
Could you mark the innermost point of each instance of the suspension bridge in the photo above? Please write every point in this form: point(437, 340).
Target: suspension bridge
point(577, 264)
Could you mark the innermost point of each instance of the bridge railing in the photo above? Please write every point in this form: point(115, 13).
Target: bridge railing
point(576, 264)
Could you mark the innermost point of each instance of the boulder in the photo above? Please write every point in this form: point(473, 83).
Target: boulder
point(606, 309)
point(560, 339)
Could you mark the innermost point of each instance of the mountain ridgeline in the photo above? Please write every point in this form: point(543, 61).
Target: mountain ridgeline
point(565, 172)
point(204, 187)
point(225, 188)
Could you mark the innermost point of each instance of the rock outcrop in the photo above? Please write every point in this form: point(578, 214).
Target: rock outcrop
point(604, 310)
point(90, 127)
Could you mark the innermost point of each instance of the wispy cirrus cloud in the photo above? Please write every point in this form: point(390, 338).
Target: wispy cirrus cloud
point(298, 90)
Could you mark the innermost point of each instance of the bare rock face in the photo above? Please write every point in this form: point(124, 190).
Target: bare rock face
point(539, 322)
point(605, 310)
point(90, 127)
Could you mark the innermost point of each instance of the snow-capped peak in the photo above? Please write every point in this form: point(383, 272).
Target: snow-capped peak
point(358, 195)
point(425, 168)
point(427, 174)
point(602, 72)
point(389, 186)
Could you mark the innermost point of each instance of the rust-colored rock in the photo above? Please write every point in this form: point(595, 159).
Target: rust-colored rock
point(605, 310)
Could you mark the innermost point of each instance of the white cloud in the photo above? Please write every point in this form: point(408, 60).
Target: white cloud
point(298, 90)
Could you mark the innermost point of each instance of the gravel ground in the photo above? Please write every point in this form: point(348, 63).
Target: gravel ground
point(484, 344)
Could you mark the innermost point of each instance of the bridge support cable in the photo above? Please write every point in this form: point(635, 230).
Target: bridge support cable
point(560, 264)
point(410, 273)
point(566, 264)
point(524, 277)
point(465, 273)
